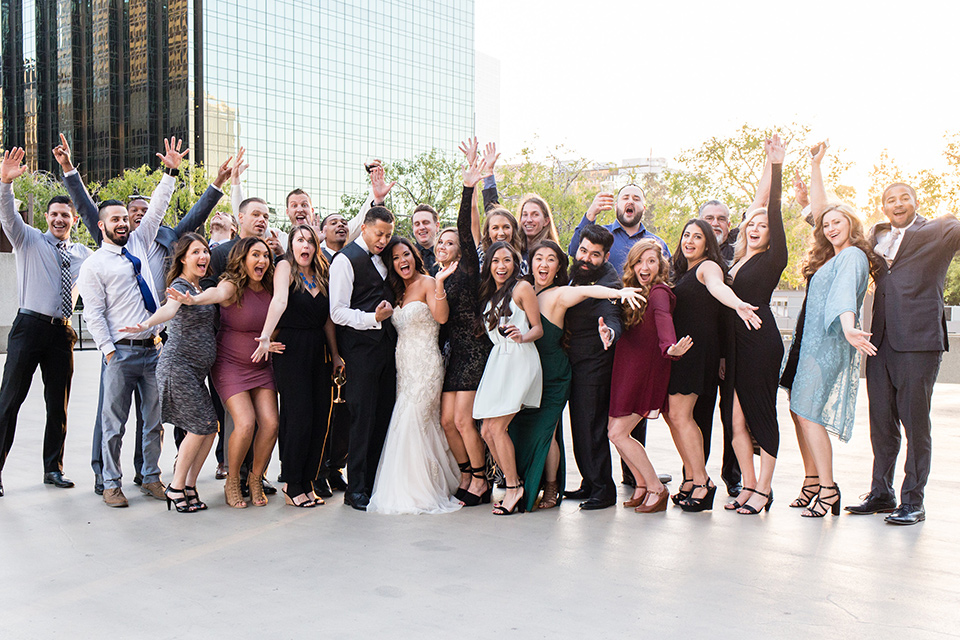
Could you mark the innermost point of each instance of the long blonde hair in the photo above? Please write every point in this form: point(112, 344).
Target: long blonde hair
point(819, 249)
point(740, 247)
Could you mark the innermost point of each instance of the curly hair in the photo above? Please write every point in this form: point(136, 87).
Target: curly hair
point(321, 268)
point(236, 272)
point(819, 249)
point(630, 316)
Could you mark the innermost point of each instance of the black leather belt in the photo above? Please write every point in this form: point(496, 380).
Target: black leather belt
point(146, 342)
point(48, 319)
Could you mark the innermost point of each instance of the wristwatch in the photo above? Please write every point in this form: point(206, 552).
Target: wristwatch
point(171, 172)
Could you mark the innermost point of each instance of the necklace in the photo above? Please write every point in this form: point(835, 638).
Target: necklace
point(309, 284)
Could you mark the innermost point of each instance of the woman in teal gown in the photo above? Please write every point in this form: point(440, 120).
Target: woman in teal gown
point(536, 433)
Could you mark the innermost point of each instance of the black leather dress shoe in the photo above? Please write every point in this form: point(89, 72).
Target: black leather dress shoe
point(268, 489)
point(57, 479)
point(872, 504)
point(578, 494)
point(907, 514)
point(322, 488)
point(138, 480)
point(358, 501)
point(98, 484)
point(1, 488)
point(336, 481)
point(593, 504)
point(734, 488)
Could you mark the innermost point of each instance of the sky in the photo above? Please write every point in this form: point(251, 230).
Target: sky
point(615, 79)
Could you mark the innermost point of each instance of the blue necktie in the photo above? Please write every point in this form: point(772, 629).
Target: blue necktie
point(145, 292)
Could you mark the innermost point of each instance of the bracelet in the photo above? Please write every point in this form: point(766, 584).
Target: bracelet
point(443, 297)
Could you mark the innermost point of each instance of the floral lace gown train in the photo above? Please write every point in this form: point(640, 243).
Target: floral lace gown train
point(417, 471)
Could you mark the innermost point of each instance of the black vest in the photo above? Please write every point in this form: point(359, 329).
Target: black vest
point(369, 290)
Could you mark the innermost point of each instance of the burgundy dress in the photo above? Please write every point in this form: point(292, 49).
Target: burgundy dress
point(641, 366)
point(240, 325)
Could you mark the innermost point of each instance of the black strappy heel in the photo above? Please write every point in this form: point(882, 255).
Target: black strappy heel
point(500, 510)
point(460, 493)
point(472, 499)
point(750, 510)
point(807, 493)
point(696, 505)
point(818, 503)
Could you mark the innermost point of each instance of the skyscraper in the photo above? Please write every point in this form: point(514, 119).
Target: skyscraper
point(310, 89)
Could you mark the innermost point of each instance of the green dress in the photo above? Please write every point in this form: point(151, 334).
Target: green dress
point(533, 429)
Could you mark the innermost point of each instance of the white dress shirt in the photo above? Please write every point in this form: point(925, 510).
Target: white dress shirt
point(108, 286)
point(887, 249)
point(341, 290)
point(38, 262)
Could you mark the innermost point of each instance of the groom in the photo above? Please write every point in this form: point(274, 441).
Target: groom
point(361, 303)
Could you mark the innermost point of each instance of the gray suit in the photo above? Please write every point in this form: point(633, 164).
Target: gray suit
point(910, 333)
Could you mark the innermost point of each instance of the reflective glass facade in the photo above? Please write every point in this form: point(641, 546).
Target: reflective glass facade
point(311, 89)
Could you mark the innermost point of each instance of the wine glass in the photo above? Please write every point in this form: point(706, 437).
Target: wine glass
point(339, 379)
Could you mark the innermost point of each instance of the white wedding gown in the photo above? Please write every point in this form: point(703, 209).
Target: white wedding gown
point(417, 471)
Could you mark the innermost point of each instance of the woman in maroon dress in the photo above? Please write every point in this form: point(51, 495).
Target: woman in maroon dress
point(246, 387)
point(641, 368)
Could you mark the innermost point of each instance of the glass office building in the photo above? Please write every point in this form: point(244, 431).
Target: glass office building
point(311, 89)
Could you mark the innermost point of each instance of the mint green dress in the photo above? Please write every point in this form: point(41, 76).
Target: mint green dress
point(828, 369)
point(533, 429)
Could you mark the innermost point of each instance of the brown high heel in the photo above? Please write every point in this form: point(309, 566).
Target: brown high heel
point(551, 495)
point(232, 494)
point(633, 503)
point(255, 483)
point(659, 505)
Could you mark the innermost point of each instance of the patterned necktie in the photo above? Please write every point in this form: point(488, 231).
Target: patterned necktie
point(66, 287)
point(148, 302)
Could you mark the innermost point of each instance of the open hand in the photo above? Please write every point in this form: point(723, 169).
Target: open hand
point(746, 313)
point(61, 153)
point(378, 183)
point(473, 172)
point(800, 189)
point(179, 296)
point(445, 273)
point(173, 156)
point(776, 150)
point(469, 148)
point(239, 166)
point(10, 167)
point(681, 347)
point(490, 157)
point(137, 328)
point(860, 340)
point(631, 296)
point(265, 347)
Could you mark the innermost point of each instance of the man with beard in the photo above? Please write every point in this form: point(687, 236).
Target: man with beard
point(631, 204)
point(717, 215)
point(117, 290)
point(223, 226)
point(425, 224)
point(591, 360)
point(47, 268)
point(156, 253)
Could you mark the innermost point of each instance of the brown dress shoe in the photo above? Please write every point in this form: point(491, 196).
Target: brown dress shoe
point(154, 489)
point(114, 498)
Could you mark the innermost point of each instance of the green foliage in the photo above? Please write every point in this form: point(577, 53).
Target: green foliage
point(951, 290)
point(40, 186)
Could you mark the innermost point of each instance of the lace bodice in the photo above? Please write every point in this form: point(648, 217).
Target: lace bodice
point(419, 365)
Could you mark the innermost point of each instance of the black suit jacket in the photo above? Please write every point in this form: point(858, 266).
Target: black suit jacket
point(586, 351)
point(908, 301)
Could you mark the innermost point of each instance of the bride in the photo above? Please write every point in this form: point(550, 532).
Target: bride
point(417, 472)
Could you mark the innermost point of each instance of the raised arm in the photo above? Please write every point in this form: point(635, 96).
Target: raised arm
point(468, 220)
point(818, 192)
point(776, 151)
point(77, 191)
point(603, 201)
point(11, 169)
point(437, 296)
point(201, 210)
point(236, 187)
point(278, 304)
point(379, 188)
point(763, 187)
point(711, 276)
point(160, 199)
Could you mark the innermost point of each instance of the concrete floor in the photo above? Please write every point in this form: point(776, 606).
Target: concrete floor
point(71, 567)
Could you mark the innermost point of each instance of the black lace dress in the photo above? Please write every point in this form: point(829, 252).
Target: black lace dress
point(468, 352)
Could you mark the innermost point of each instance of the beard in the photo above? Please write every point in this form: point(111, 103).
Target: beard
point(117, 240)
point(629, 219)
point(584, 272)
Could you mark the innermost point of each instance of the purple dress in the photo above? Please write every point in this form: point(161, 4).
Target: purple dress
point(240, 325)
